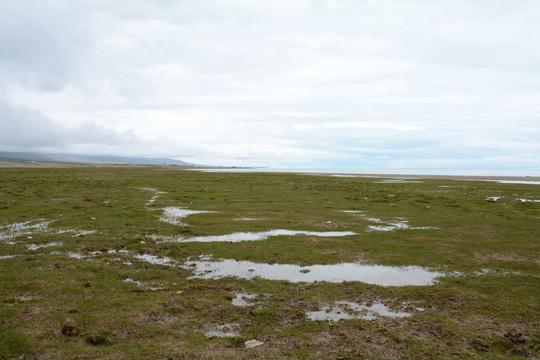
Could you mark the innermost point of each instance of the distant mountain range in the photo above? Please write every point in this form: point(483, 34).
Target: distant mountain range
point(93, 159)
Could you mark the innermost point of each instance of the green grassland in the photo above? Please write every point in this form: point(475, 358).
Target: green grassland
point(486, 308)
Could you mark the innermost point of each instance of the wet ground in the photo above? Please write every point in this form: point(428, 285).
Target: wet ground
point(144, 250)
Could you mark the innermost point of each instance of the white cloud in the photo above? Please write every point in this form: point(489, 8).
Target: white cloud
point(367, 83)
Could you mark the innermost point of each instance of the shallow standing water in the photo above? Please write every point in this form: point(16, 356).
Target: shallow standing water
point(255, 236)
point(335, 273)
point(173, 215)
point(345, 310)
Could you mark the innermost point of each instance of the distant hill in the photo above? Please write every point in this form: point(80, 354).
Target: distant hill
point(93, 159)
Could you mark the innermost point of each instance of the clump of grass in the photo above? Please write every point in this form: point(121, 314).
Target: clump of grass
point(98, 338)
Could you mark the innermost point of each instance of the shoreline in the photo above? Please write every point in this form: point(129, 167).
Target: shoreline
point(338, 173)
point(443, 177)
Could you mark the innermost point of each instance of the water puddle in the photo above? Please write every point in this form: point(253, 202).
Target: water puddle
point(517, 182)
point(34, 247)
point(152, 259)
point(136, 282)
point(527, 200)
point(398, 181)
point(245, 219)
point(39, 226)
point(391, 226)
point(3, 257)
point(239, 300)
point(74, 255)
point(253, 236)
point(346, 310)
point(250, 344)
point(154, 197)
point(335, 273)
point(146, 189)
point(493, 198)
point(173, 215)
point(141, 285)
point(152, 200)
point(12, 231)
point(223, 331)
point(398, 224)
point(114, 251)
point(354, 211)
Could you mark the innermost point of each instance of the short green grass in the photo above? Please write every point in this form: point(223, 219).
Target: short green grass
point(489, 315)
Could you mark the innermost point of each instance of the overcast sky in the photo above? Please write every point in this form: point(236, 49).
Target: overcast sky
point(275, 83)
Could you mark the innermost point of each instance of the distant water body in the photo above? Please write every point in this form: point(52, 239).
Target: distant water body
point(486, 172)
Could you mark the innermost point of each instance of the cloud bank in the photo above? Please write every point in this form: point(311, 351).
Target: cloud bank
point(301, 83)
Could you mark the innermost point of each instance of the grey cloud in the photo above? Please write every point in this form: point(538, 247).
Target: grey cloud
point(25, 128)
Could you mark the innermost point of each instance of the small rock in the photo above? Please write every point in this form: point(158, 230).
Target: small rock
point(420, 309)
point(305, 271)
point(179, 292)
point(70, 328)
point(251, 269)
point(29, 237)
point(92, 218)
point(252, 343)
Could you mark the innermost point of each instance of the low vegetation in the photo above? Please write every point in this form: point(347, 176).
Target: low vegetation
point(72, 286)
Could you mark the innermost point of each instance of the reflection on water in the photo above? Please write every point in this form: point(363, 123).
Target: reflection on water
point(173, 215)
point(398, 224)
point(254, 236)
point(41, 246)
point(38, 226)
point(12, 231)
point(398, 181)
point(152, 259)
point(223, 331)
point(518, 182)
point(336, 273)
point(344, 310)
point(239, 300)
